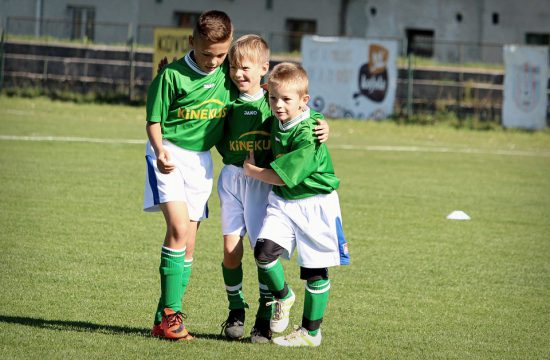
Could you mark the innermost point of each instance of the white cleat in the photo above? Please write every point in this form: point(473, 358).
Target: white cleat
point(299, 337)
point(279, 319)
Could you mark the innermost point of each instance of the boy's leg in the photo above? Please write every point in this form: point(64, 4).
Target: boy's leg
point(315, 303)
point(171, 269)
point(190, 246)
point(261, 331)
point(316, 298)
point(266, 253)
point(186, 274)
point(232, 272)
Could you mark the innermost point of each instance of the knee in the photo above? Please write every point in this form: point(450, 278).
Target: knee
point(313, 274)
point(178, 232)
point(267, 251)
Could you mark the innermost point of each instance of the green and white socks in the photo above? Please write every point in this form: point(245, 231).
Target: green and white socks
point(315, 303)
point(172, 265)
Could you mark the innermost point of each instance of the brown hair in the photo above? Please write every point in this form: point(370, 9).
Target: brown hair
point(289, 75)
point(252, 47)
point(214, 26)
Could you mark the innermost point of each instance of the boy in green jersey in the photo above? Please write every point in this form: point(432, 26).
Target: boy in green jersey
point(243, 199)
point(186, 106)
point(303, 212)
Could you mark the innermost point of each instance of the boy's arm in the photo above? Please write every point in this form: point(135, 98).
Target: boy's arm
point(265, 175)
point(154, 134)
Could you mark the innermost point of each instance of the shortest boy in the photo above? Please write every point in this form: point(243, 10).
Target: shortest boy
point(303, 211)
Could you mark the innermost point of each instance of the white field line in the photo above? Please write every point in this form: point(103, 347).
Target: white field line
point(387, 148)
point(443, 150)
point(70, 139)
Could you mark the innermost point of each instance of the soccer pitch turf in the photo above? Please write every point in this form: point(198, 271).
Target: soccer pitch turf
point(79, 259)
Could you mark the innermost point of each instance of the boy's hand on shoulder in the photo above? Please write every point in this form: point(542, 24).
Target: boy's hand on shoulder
point(322, 130)
point(163, 63)
point(163, 162)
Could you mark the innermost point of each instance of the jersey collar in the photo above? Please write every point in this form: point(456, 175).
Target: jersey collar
point(298, 119)
point(193, 65)
point(249, 98)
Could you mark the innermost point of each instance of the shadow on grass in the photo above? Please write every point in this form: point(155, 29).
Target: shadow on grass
point(81, 326)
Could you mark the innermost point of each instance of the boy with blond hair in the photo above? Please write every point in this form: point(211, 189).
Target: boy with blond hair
point(186, 106)
point(303, 212)
point(243, 199)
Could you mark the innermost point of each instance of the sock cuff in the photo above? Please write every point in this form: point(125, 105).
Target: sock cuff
point(266, 265)
point(318, 286)
point(172, 252)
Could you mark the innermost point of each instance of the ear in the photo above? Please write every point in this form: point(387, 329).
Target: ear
point(305, 99)
point(191, 42)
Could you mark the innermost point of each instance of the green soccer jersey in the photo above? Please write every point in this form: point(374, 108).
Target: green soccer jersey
point(301, 161)
point(190, 105)
point(248, 127)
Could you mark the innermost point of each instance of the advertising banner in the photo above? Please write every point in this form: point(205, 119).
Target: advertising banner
point(169, 43)
point(351, 78)
point(525, 87)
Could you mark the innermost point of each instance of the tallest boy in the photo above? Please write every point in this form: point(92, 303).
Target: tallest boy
point(186, 106)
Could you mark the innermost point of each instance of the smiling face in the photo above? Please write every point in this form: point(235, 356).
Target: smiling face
point(285, 101)
point(247, 75)
point(209, 55)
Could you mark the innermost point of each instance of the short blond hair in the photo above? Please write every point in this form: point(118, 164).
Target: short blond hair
point(251, 47)
point(289, 74)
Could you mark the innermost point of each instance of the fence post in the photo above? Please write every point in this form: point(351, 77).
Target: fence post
point(460, 92)
point(409, 85)
point(131, 44)
point(2, 60)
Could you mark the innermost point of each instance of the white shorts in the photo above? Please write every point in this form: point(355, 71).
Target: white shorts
point(312, 225)
point(191, 181)
point(243, 202)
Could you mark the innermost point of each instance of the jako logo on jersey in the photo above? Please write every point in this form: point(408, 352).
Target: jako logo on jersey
point(208, 86)
point(251, 112)
point(248, 145)
point(201, 113)
point(277, 139)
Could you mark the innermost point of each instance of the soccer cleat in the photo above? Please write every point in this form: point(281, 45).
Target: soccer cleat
point(279, 319)
point(233, 327)
point(260, 333)
point(172, 325)
point(157, 331)
point(299, 337)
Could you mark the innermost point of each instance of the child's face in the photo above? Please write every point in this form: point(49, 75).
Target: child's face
point(209, 55)
point(285, 102)
point(248, 75)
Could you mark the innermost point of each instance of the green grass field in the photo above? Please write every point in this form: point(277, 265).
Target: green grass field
point(79, 259)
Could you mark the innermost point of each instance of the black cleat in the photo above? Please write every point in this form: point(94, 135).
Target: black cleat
point(261, 333)
point(233, 327)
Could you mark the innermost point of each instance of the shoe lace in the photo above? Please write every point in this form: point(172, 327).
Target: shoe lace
point(297, 333)
point(175, 318)
point(278, 308)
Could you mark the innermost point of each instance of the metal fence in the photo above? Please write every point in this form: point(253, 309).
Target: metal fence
point(465, 78)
